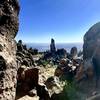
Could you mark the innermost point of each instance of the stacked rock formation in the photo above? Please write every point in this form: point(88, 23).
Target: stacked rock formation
point(9, 10)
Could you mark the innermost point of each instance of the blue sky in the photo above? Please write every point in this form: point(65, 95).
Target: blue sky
point(64, 20)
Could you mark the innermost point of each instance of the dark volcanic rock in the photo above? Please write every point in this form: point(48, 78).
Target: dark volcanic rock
point(19, 46)
point(42, 92)
point(27, 79)
point(73, 52)
point(25, 55)
point(52, 46)
point(33, 51)
point(62, 53)
point(9, 10)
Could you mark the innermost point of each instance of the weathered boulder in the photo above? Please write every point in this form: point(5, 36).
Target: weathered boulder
point(9, 10)
point(54, 86)
point(91, 49)
point(91, 41)
point(27, 77)
point(74, 52)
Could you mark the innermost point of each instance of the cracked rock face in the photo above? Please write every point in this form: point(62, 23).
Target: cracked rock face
point(9, 10)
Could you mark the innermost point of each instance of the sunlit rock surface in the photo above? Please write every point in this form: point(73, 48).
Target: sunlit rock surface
point(9, 10)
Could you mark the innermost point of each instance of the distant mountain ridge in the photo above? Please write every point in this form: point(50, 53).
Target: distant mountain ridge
point(46, 46)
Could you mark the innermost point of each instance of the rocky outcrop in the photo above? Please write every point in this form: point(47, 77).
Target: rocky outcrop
point(91, 41)
point(19, 46)
point(27, 79)
point(28, 84)
point(74, 52)
point(88, 73)
point(54, 85)
point(91, 48)
point(61, 53)
point(9, 10)
point(25, 55)
point(68, 68)
point(52, 46)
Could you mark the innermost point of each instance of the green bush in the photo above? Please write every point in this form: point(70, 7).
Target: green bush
point(69, 92)
point(45, 62)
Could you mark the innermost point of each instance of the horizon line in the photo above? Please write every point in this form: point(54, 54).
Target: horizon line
point(55, 42)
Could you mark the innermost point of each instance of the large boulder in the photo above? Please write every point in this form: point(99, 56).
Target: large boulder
point(92, 42)
point(27, 77)
point(9, 10)
point(91, 48)
point(54, 85)
point(73, 52)
point(91, 57)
